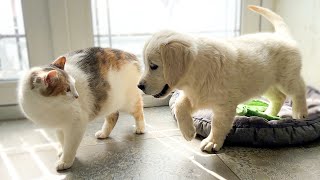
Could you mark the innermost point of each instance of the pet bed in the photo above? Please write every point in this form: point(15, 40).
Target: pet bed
point(258, 131)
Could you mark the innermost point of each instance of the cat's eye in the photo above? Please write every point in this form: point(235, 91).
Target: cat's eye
point(153, 66)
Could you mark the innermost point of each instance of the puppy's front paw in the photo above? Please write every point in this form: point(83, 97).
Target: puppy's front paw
point(210, 145)
point(188, 131)
point(299, 111)
point(140, 127)
point(101, 134)
point(61, 165)
point(300, 115)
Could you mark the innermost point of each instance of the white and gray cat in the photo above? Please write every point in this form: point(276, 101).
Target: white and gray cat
point(76, 89)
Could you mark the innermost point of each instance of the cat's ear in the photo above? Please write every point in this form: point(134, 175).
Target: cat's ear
point(50, 76)
point(60, 62)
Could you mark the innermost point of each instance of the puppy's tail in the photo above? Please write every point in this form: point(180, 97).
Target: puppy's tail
point(279, 25)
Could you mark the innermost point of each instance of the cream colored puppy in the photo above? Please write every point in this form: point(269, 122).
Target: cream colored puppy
point(220, 74)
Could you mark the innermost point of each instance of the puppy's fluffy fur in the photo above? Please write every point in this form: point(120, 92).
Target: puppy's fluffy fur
point(220, 74)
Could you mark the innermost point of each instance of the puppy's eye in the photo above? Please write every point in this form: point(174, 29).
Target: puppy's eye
point(153, 66)
point(68, 89)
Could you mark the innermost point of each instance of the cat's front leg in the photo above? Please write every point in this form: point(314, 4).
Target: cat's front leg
point(60, 137)
point(73, 135)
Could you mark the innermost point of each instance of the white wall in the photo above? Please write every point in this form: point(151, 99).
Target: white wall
point(303, 18)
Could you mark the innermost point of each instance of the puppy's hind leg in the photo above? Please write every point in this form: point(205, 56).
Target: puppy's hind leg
point(296, 90)
point(276, 99)
point(108, 125)
point(137, 113)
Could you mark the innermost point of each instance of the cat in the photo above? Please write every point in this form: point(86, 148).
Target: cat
point(78, 88)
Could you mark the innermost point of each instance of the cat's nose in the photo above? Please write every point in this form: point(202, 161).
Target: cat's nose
point(141, 86)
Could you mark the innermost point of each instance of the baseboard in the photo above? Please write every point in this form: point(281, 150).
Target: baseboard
point(12, 111)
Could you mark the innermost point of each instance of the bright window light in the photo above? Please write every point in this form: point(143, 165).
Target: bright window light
point(127, 24)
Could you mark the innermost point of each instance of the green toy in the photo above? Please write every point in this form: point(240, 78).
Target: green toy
point(255, 107)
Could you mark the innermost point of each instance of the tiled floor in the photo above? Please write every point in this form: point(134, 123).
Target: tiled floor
point(29, 152)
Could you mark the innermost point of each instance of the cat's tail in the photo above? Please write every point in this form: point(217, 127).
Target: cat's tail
point(279, 25)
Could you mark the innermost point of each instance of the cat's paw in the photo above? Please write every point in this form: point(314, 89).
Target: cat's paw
point(140, 127)
point(101, 134)
point(61, 165)
point(139, 130)
point(210, 145)
point(60, 152)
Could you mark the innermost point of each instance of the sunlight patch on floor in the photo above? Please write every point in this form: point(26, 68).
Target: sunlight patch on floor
point(184, 153)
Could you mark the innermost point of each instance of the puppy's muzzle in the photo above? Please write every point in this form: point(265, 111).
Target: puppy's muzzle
point(141, 85)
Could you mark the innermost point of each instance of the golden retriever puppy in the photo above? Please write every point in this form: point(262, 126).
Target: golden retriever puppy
point(220, 74)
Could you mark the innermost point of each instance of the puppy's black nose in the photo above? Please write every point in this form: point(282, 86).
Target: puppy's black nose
point(141, 86)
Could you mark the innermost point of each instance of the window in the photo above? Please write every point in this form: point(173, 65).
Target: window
point(13, 49)
point(32, 33)
point(126, 24)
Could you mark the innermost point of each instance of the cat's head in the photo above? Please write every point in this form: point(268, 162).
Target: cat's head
point(52, 80)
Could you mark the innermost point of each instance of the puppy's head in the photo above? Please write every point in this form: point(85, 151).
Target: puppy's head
point(167, 58)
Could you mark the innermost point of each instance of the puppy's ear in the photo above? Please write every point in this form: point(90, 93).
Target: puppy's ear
point(176, 58)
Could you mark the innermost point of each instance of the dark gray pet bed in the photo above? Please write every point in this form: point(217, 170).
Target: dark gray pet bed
point(256, 131)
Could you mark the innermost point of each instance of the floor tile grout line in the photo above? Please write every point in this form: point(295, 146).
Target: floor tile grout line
point(228, 167)
point(21, 150)
point(11, 169)
point(123, 141)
